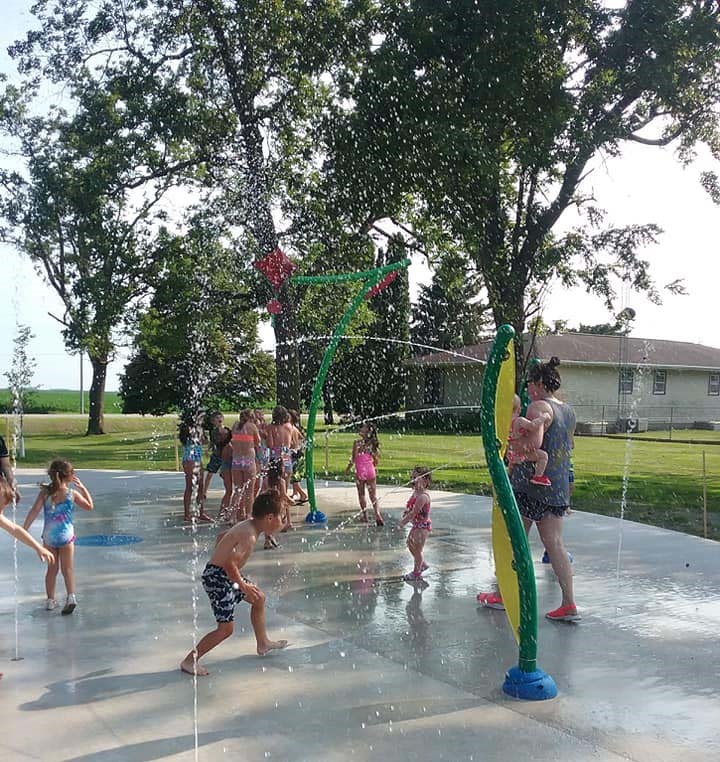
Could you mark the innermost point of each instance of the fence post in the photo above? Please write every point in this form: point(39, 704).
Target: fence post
point(603, 429)
point(704, 497)
point(671, 422)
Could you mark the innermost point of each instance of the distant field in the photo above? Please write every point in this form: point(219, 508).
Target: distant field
point(664, 478)
point(60, 401)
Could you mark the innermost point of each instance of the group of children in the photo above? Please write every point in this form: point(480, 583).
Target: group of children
point(260, 460)
point(258, 463)
point(251, 457)
point(226, 586)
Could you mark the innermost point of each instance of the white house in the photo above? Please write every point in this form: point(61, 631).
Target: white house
point(608, 379)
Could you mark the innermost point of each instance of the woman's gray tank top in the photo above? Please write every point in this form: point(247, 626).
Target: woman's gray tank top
point(557, 444)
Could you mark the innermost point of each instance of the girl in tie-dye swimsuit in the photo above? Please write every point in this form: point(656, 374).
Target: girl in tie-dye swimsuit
point(245, 438)
point(418, 512)
point(279, 439)
point(57, 500)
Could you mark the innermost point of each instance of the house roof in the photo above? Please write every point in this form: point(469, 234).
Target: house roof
point(594, 349)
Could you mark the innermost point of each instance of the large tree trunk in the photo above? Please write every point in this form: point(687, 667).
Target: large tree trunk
point(259, 201)
point(507, 302)
point(287, 363)
point(96, 419)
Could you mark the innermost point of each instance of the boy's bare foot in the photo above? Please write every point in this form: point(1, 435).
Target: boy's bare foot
point(271, 645)
point(191, 667)
point(204, 517)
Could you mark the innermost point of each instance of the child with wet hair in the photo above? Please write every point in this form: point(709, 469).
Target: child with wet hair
point(278, 436)
point(276, 486)
point(417, 511)
point(525, 440)
point(364, 459)
point(226, 586)
point(57, 500)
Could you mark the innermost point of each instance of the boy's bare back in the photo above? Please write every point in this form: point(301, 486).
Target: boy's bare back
point(235, 546)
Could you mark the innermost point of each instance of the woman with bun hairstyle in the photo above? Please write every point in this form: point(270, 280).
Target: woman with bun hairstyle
point(545, 506)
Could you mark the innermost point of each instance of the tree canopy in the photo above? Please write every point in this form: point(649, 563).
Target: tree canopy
point(482, 119)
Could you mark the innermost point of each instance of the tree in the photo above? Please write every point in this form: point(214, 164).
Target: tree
point(328, 249)
point(254, 76)
point(621, 326)
point(76, 213)
point(447, 314)
point(20, 377)
point(371, 376)
point(483, 118)
point(196, 340)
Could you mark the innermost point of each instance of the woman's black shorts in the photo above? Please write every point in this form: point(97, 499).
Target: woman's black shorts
point(536, 510)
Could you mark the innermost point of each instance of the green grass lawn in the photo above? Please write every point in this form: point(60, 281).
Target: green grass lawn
point(664, 485)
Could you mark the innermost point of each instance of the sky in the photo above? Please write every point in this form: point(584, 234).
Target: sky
point(644, 185)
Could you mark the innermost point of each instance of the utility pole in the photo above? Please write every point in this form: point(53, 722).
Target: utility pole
point(82, 393)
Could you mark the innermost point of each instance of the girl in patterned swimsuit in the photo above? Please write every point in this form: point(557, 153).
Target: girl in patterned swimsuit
point(262, 453)
point(364, 458)
point(58, 500)
point(245, 438)
point(418, 511)
point(279, 439)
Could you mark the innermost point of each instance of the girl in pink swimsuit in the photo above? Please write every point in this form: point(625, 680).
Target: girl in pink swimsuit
point(417, 511)
point(364, 458)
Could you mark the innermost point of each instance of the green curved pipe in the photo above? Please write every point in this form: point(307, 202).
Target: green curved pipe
point(371, 279)
point(522, 561)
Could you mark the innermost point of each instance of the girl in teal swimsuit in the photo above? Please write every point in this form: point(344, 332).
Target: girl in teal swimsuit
point(57, 500)
point(190, 438)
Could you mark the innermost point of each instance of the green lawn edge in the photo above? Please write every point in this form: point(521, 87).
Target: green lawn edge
point(665, 484)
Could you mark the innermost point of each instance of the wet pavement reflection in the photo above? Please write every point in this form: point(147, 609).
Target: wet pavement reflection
point(378, 668)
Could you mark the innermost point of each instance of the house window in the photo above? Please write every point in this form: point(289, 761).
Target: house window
point(626, 381)
point(433, 386)
point(659, 382)
point(714, 385)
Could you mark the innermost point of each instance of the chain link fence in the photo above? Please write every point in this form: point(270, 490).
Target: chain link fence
point(617, 419)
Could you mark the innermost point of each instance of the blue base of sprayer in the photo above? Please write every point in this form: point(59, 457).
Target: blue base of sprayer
point(529, 686)
point(316, 517)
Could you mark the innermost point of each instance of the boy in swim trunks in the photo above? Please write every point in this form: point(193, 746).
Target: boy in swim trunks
point(226, 587)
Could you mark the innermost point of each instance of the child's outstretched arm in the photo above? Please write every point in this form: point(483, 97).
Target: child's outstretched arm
point(33, 512)
point(82, 495)
point(25, 537)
